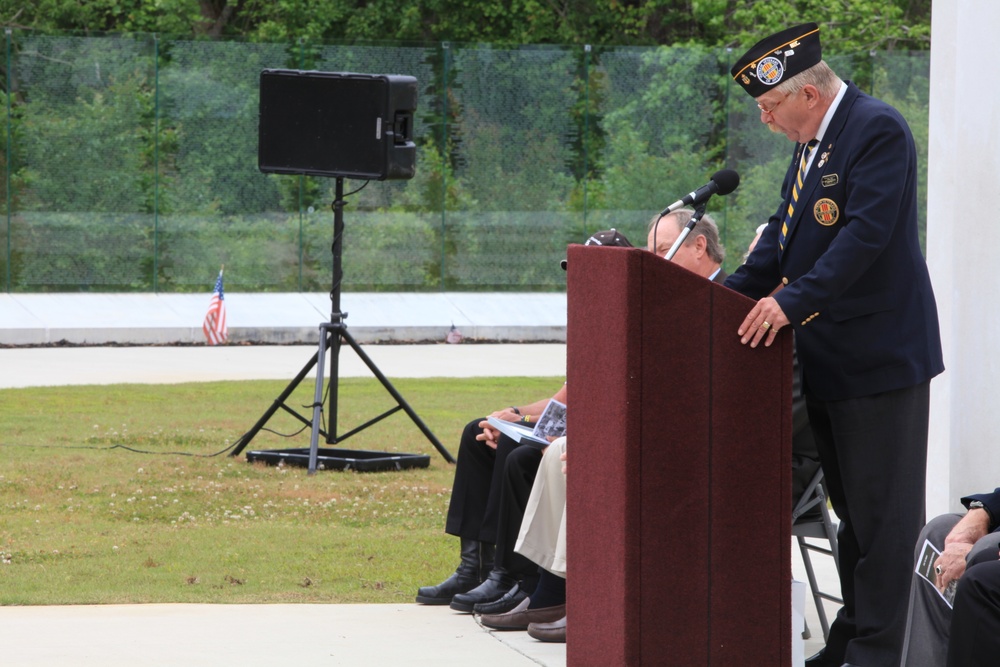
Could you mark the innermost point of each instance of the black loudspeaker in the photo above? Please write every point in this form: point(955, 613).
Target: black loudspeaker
point(337, 124)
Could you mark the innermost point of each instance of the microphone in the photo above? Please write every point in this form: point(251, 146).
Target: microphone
point(723, 182)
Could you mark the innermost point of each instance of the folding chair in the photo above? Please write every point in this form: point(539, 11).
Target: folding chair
point(823, 528)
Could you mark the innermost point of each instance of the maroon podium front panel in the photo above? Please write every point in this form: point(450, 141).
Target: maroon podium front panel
point(679, 508)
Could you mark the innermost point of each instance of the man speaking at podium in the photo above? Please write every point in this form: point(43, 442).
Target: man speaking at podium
point(843, 252)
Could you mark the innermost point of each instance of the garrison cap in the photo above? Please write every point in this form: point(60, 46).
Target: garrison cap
point(778, 58)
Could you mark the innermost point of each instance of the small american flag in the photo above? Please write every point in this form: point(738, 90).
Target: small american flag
point(215, 320)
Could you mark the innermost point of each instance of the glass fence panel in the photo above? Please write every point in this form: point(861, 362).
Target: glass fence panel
point(129, 163)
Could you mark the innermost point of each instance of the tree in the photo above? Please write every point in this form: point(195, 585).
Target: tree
point(846, 25)
point(851, 25)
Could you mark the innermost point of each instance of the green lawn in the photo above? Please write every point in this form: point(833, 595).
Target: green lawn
point(126, 494)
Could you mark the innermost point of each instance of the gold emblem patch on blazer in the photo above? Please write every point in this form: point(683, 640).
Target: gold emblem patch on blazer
point(826, 211)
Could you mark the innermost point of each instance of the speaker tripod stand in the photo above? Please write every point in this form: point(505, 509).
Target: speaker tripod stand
point(331, 336)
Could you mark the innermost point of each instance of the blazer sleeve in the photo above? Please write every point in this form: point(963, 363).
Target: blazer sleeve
point(761, 272)
point(991, 503)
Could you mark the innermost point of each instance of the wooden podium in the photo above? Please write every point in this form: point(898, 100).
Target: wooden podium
point(678, 498)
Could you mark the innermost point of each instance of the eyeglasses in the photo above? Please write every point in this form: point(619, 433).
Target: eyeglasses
point(774, 106)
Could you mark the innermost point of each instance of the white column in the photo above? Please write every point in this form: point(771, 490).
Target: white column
point(963, 250)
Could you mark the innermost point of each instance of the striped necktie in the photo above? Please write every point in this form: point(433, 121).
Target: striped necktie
point(795, 192)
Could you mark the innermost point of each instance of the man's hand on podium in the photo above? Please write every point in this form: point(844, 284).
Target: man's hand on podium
point(762, 323)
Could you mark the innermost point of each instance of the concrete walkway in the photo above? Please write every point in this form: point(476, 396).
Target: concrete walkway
point(52, 366)
point(306, 635)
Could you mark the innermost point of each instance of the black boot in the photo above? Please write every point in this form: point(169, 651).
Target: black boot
point(477, 559)
point(495, 587)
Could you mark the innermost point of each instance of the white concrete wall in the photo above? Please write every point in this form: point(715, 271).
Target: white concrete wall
point(963, 250)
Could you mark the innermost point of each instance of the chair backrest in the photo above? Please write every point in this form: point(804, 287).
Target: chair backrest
point(811, 518)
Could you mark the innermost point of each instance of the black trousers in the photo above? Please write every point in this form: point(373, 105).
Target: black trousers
point(874, 455)
point(489, 494)
point(520, 471)
point(975, 620)
point(474, 509)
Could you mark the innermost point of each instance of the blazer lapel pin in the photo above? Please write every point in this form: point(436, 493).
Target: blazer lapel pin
point(825, 156)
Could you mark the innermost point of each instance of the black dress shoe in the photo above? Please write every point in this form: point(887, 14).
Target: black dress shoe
point(491, 590)
point(510, 599)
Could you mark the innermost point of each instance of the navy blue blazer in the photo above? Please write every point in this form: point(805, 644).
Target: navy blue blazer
point(855, 284)
point(991, 501)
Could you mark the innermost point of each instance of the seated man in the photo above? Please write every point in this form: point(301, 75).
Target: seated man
point(514, 577)
point(473, 512)
point(542, 539)
point(962, 541)
point(486, 576)
point(702, 254)
point(975, 623)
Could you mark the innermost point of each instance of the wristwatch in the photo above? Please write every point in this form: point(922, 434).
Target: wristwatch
point(976, 505)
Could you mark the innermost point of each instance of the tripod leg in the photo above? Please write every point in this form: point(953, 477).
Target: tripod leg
point(278, 403)
point(317, 405)
point(396, 395)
